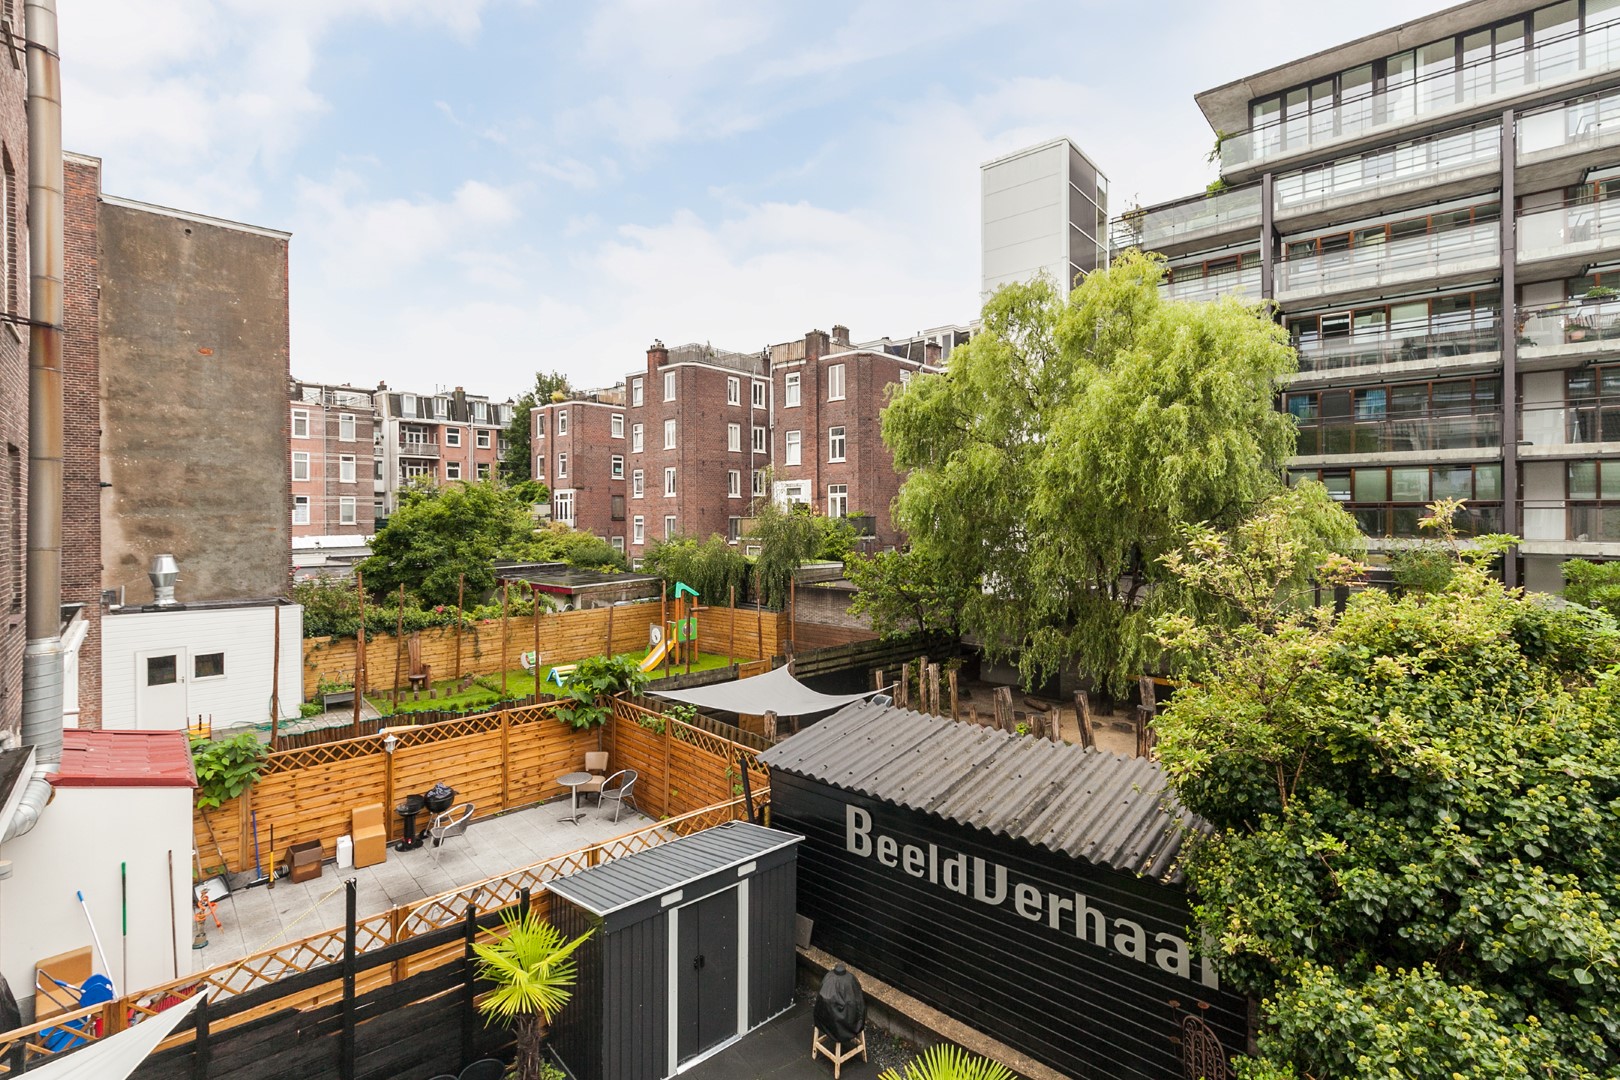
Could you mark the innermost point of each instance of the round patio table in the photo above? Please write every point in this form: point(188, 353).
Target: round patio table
point(572, 782)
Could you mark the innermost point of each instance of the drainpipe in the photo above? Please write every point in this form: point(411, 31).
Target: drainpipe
point(43, 659)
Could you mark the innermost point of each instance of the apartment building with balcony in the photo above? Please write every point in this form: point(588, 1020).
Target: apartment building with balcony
point(827, 442)
point(1042, 210)
point(699, 442)
point(580, 448)
point(331, 465)
point(444, 437)
point(1429, 208)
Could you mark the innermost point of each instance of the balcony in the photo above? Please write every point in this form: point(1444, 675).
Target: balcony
point(1407, 261)
point(1387, 435)
point(418, 448)
point(1574, 127)
point(1421, 164)
point(1557, 59)
point(1202, 221)
point(1577, 426)
point(1577, 330)
point(1426, 345)
point(1575, 234)
point(1395, 520)
point(1245, 283)
point(1571, 522)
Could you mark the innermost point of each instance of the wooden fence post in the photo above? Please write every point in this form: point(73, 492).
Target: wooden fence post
point(669, 733)
point(922, 685)
point(359, 655)
point(461, 595)
point(956, 711)
point(877, 678)
point(399, 643)
point(731, 630)
point(506, 627)
point(933, 688)
point(346, 1037)
point(1002, 700)
point(609, 651)
point(200, 1047)
point(793, 614)
point(663, 623)
point(534, 594)
point(506, 759)
point(1082, 719)
point(469, 987)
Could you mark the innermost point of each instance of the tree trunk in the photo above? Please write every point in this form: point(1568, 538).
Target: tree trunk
point(529, 1032)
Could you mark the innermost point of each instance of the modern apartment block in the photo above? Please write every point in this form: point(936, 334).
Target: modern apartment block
point(334, 474)
point(925, 346)
point(442, 436)
point(1435, 209)
point(581, 449)
point(827, 444)
point(1042, 210)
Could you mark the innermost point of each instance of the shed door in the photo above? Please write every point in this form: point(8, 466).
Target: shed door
point(706, 1005)
point(160, 690)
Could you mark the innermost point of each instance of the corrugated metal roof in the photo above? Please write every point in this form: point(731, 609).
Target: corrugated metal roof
point(629, 880)
point(1105, 808)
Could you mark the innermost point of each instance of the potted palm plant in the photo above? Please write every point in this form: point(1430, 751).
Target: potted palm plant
point(943, 1061)
point(532, 967)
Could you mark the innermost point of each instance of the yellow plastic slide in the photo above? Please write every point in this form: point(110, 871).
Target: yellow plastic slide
point(655, 657)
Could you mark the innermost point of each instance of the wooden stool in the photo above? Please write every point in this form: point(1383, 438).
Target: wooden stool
point(837, 1055)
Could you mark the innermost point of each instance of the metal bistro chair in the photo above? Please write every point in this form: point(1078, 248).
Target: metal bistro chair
point(622, 793)
point(453, 822)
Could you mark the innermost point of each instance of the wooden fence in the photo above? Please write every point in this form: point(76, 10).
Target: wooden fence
point(564, 637)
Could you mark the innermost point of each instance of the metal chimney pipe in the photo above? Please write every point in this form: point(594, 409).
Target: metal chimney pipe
point(164, 573)
point(43, 666)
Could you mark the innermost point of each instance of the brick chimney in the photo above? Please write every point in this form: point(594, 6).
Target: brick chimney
point(816, 344)
point(932, 353)
point(840, 334)
point(657, 354)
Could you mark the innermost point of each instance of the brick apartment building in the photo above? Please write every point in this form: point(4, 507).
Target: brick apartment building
point(827, 447)
point(14, 266)
point(581, 451)
point(699, 439)
point(334, 473)
point(442, 436)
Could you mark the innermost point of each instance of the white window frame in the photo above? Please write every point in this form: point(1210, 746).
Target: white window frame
point(835, 382)
point(347, 512)
point(481, 439)
point(452, 436)
point(562, 421)
point(452, 470)
point(346, 469)
point(407, 405)
point(733, 390)
point(669, 434)
point(638, 484)
point(669, 526)
point(300, 420)
point(300, 503)
point(617, 542)
point(636, 440)
point(790, 390)
point(636, 398)
point(540, 424)
point(734, 438)
point(792, 448)
point(482, 470)
point(669, 386)
point(562, 464)
point(480, 412)
point(758, 398)
point(760, 444)
point(539, 466)
point(734, 483)
point(616, 463)
point(562, 507)
point(758, 485)
point(837, 443)
point(300, 457)
point(441, 408)
point(669, 481)
point(837, 500)
point(616, 429)
point(638, 530)
point(733, 529)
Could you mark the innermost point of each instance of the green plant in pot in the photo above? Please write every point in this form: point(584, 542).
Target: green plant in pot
point(944, 1061)
point(1600, 292)
point(532, 967)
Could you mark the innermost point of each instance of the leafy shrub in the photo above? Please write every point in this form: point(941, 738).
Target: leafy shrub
point(588, 694)
point(225, 767)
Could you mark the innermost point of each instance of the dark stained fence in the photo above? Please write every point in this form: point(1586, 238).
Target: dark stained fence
point(1017, 968)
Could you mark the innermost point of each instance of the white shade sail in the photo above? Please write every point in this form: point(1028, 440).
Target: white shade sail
point(115, 1057)
point(775, 691)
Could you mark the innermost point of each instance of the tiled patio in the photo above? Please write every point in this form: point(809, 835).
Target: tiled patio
point(261, 918)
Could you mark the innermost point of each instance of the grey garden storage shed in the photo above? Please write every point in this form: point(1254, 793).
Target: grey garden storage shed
point(693, 945)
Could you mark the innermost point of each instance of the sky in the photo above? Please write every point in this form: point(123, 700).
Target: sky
point(481, 189)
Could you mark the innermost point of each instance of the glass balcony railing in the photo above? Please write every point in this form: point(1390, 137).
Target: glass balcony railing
point(1585, 124)
point(1365, 350)
point(1152, 229)
point(1588, 228)
point(1420, 161)
point(1582, 522)
point(1395, 435)
point(1557, 59)
point(1570, 423)
point(1400, 521)
point(1572, 323)
point(1244, 283)
point(1393, 262)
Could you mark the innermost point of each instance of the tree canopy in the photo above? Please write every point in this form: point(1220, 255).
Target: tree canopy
point(516, 462)
point(1065, 449)
point(1413, 861)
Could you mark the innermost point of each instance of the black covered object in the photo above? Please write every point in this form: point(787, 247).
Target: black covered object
point(840, 1006)
point(439, 797)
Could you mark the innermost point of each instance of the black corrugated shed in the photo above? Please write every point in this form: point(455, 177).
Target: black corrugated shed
point(1105, 808)
point(692, 944)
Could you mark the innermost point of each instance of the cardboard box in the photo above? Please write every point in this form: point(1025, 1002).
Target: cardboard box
point(370, 835)
point(305, 859)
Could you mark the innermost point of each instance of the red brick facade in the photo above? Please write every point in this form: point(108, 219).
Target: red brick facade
point(333, 469)
point(581, 451)
point(13, 391)
point(81, 379)
point(445, 437)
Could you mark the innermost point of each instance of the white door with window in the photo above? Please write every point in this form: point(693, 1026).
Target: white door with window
point(160, 689)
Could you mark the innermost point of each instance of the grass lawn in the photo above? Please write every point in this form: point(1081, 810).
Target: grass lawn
point(519, 683)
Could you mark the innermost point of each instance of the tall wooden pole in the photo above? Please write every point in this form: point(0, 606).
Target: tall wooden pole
point(399, 642)
point(663, 624)
point(691, 632)
point(275, 697)
point(461, 594)
point(759, 626)
point(610, 631)
point(731, 634)
point(534, 594)
point(359, 653)
point(793, 615)
point(506, 599)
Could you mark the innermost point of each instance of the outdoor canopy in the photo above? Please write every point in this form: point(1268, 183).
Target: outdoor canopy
point(115, 1057)
point(775, 691)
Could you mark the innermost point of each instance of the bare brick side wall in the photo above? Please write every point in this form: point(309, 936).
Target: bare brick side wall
point(81, 466)
point(13, 396)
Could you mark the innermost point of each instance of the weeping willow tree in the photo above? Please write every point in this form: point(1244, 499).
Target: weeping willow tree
point(1070, 446)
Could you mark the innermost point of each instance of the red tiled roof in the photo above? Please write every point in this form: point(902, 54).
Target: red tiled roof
point(125, 759)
